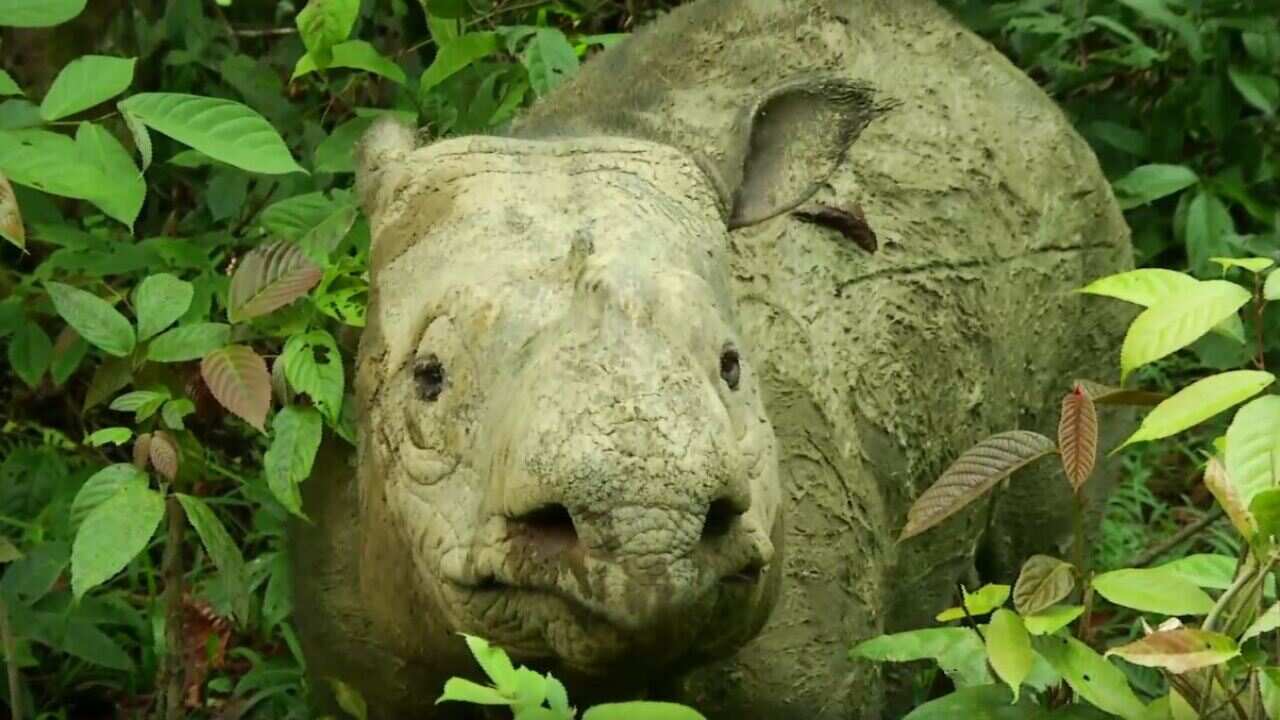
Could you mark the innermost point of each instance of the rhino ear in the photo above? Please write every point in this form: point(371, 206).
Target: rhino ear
point(789, 142)
point(381, 161)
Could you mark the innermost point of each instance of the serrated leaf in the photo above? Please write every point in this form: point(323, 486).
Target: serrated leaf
point(270, 277)
point(958, 651)
point(222, 129)
point(641, 710)
point(1228, 496)
point(109, 436)
point(1009, 649)
point(977, 471)
point(86, 81)
point(455, 55)
point(112, 535)
point(313, 365)
point(1200, 401)
point(221, 549)
point(1152, 182)
point(1108, 395)
point(11, 227)
point(1051, 620)
point(122, 197)
point(102, 486)
point(188, 342)
point(1043, 582)
point(981, 602)
point(296, 435)
point(39, 13)
point(1178, 321)
point(1253, 443)
point(163, 452)
point(30, 350)
point(355, 55)
point(94, 318)
point(325, 23)
point(141, 138)
point(1095, 680)
point(1178, 651)
point(237, 377)
point(1078, 436)
point(1152, 590)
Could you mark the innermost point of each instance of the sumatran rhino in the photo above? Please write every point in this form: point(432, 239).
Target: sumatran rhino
point(650, 380)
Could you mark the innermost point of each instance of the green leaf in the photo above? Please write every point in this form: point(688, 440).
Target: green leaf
point(87, 81)
point(957, 650)
point(1266, 622)
point(1253, 442)
point(296, 435)
point(1200, 401)
point(1150, 286)
point(1094, 679)
point(189, 342)
point(50, 162)
point(1043, 582)
point(1178, 651)
point(641, 710)
point(237, 377)
point(349, 699)
point(8, 86)
point(30, 350)
point(1152, 590)
point(1271, 289)
point(224, 130)
point(321, 240)
point(325, 23)
point(109, 436)
point(293, 217)
point(174, 410)
point(11, 225)
point(549, 59)
point(1158, 11)
point(94, 318)
point(1260, 90)
point(1209, 224)
point(102, 486)
point(222, 550)
point(494, 662)
point(336, 154)
point(450, 9)
point(983, 601)
point(463, 690)
point(8, 551)
point(1252, 264)
point(269, 277)
point(143, 403)
point(1009, 649)
point(984, 702)
point(112, 535)
point(161, 299)
point(1152, 182)
point(122, 197)
point(455, 55)
point(357, 55)
point(39, 13)
point(313, 366)
point(1203, 570)
point(141, 138)
point(1265, 510)
point(1051, 620)
point(1176, 322)
point(68, 352)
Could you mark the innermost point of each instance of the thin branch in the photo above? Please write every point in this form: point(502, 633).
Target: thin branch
point(172, 668)
point(1156, 551)
point(968, 619)
point(265, 32)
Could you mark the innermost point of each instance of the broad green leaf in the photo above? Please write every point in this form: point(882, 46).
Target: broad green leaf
point(337, 153)
point(1204, 570)
point(349, 699)
point(224, 130)
point(87, 81)
point(173, 411)
point(455, 55)
point(1228, 494)
point(102, 486)
point(1265, 509)
point(1094, 679)
point(121, 198)
point(1200, 401)
point(978, 470)
point(981, 602)
point(1271, 288)
point(1260, 89)
point(1252, 264)
point(293, 217)
point(984, 702)
point(1208, 226)
point(495, 663)
point(957, 650)
point(50, 162)
point(1152, 590)
point(313, 365)
point(320, 241)
point(8, 86)
point(356, 55)
point(1253, 442)
point(39, 13)
point(11, 226)
point(463, 690)
point(188, 342)
point(1266, 622)
point(549, 59)
point(296, 435)
point(141, 138)
point(641, 710)
point(1152, 182)
point(30, 350)
point(1051, 620)
point(238, 378)
point(1147, 287)
point(325, 23)
point(94, 318)
point(1178, 651)
point(142, 403)
point(1176, 322)
point(161, 299)
point(112, 535)
point(1009, 649)
point(109, 436)
point(269, 277)
point(1043, 582)
point(222, 550)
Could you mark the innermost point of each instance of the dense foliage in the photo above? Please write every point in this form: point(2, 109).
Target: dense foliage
point(185, 278)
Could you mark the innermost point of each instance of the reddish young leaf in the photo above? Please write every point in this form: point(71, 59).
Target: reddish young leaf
point(237, 376)
point(269, 277)
point(11, 227)
point(164, 454)
point(978, 470)
point(1078, 436)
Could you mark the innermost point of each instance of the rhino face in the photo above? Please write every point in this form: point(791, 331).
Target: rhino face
point(562, 417)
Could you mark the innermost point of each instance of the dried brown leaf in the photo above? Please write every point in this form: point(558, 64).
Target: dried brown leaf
point(11, 227)
point(237, 376)
point(1108, 395)
point(1179, 651)
point(978, 470)
point(164, 454)
point(1078, 436)
point(1043, 582)
point(269, 277)
point(142, 451)
point(1228, 496)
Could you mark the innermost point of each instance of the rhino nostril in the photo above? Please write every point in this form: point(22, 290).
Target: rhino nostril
point(720, 517)
point(550, 525)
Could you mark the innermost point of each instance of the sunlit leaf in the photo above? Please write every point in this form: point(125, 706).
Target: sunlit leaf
point(1227, 493)
point(1266, 622)
point(8, 86)
point(1200, 401)
point(188, 342)
point(1094, 679)
point(141, 138)
point(112, 534)
point(641, 710)
point(325, 23)
point(39, 13)
point(1150, 286)
point(1043, 582)
point(1178, 321)
point(1009, 649)
point(977, 471)
point(1152, 590)
point(1253, 264)
point(1271, 288)
point(102, 486)
point(957, 650)
point(270, 277)
point(1051, 620)
point(313, 365)
point(462, 690)
point(86, 81)
point(355, 55)
point(1078, 436)
point(1178, 651)
point(455, 55)
point(237, 377)
point(1253, 441)
point(94, 318)
point(109, 436)
point(161, 299)
point(11, 227)
point(1152, 182)
point(981, 602)
point(122, 197)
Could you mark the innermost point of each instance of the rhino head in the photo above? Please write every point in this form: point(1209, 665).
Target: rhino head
point(564, 446)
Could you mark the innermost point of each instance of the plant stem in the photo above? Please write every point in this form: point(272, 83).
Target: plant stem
point(1260, 306)
point(968, 619)
point(1177, 538)
point(11, 663)
point(172, 667)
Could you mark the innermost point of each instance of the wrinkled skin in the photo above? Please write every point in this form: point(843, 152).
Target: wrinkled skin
point(627, 412)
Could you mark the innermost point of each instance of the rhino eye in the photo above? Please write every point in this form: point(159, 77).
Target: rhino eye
point(429, 374)
point(730, 370)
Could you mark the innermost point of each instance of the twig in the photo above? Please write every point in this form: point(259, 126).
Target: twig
point(1177, 538)
point(968, 619)
point(172, 668)
point(265, 32)
point(256, 208)
point(11, 663)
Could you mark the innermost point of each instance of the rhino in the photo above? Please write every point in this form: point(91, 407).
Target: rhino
point(651, 377)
